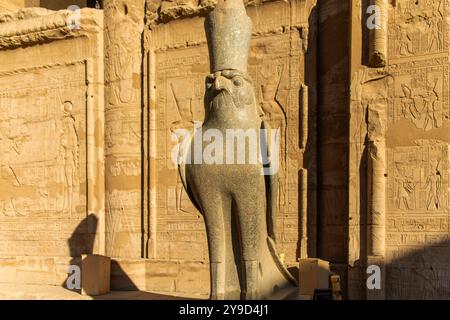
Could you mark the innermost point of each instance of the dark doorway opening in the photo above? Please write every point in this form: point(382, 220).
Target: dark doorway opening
point(95, 4)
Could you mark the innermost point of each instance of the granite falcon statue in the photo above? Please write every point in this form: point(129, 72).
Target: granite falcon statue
point(236, 199)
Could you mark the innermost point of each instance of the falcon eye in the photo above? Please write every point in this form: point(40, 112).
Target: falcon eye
point(237, 82)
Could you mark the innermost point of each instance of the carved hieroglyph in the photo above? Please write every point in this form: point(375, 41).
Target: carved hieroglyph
point(400, 132)
point(177, 62)
point(51, 135)
point(417, 28)
point(418, 219)
point(124, 22)
point(420, 93)
point(417, 234)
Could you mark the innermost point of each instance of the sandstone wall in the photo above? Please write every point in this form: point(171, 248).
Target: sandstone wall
point(124, 159)
point(399, 140)
point(63, 164)
point(51, 142)
point(364, 118)
point(14, 5)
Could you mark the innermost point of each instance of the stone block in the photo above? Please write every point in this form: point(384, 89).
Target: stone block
point(95, 275)
point(313, 274)
point(193, 278)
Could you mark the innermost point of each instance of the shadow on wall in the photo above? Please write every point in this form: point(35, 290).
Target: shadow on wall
point(310, 152)
point(412, 273)
point(120, 280)
point(82, 242)
point(421, 272)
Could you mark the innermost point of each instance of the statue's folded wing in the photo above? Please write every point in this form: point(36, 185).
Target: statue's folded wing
point(182, 156)
point(271, 178)
point(272, 183)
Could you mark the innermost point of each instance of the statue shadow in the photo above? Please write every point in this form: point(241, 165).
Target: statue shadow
point(419, 272)
point(311, 155)
point(81, 242)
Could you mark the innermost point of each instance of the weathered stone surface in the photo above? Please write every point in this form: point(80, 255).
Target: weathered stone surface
point(95, 274)
point(364, 175)
point(399, 155)
point(123, 128)
point(313, 274)
point(14, 5)
point(51, 134)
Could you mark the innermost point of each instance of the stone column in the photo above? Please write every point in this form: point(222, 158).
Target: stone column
point(376, 191)
point(376, 232)
point(378, 35)
point(124, 24)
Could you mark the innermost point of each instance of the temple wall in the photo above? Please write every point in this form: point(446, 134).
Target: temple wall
point(124, 160)
point(363, 115)
point(399, 142)
point(14, 5)
point(51, 143)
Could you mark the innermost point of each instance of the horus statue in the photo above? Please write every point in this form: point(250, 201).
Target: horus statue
point(237, 200)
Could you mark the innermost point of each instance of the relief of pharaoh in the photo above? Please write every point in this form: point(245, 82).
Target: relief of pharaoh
point(223, 169)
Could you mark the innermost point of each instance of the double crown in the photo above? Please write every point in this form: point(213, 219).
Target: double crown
point(228, 31)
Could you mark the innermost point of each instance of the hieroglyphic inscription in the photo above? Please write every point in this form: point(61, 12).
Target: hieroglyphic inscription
point(420, 93)
point(418, 178)
point(124, 23)
point(417, 28)
point(417, 234)
point(277, 71)
point(417, 222)
point(43, 162)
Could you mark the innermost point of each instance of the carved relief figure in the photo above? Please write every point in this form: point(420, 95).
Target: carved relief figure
point(419, 105)
point(234, 198)
point(434, 34)
point(183, 96)
point(126, 64)
point(420, 177)
point(404, 41)
point(405, 188)
point(417, 28)
point(430, 106)
point(433, 186)
point(275, 115)
point(409, 107)
point(69, 155)
point(10, 209)
point(420, 96)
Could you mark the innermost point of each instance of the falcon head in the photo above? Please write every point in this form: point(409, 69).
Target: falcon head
point(229, 88)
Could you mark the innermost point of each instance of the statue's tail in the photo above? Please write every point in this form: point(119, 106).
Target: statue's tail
point(279, 264)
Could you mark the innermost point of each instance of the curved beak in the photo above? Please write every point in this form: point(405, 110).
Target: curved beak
point(219, 84)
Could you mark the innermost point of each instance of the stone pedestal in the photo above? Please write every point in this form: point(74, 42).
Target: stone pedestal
point(313, 274)
point(95, 275)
